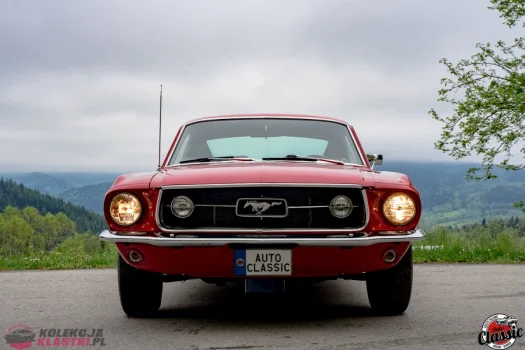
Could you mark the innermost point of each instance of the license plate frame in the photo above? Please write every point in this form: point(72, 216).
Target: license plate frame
point(263, 262)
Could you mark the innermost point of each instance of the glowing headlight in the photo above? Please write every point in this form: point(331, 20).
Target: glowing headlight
point(341, 207)
point(125, 209)
point(399, 209)
point(182, 207)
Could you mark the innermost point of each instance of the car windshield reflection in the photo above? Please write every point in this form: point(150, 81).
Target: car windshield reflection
point(260, 139)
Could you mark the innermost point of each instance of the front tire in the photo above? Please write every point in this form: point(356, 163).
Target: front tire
point(140, 291)
point(389, 291)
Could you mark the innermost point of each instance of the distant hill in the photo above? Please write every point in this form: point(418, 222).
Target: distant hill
point(19, 196)
point(448, 198)
point(56, 183)
point(91, 196)
point(81, 179)
point(42, 182)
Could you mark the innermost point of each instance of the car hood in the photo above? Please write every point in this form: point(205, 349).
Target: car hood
point(262, 172)
point(138, 180)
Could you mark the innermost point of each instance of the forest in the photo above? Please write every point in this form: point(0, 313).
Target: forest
point(468, 220)
point(31, 240)
point(17, 195)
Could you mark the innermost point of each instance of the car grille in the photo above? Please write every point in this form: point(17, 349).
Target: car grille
point(307, 208)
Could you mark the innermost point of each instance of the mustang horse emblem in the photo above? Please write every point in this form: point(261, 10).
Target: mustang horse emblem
point(260, 207)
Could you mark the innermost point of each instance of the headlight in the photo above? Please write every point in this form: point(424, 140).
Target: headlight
point(341, 206)
point(125, 209)
point(399, 209)
point(182, 207)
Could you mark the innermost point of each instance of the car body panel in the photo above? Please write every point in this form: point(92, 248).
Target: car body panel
point(201, 261)
point(218, 262)
point(261, 171)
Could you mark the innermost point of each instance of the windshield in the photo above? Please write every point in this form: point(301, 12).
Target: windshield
point(266, 138)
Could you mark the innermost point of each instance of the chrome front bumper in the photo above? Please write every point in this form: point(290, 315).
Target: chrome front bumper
point(415, 235)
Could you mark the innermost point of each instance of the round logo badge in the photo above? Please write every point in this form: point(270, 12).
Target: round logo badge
point(240, 262)
point(499, 331)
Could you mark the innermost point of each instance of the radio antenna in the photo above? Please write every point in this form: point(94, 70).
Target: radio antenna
point(160, 124)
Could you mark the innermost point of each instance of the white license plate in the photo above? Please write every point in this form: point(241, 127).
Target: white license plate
point(262, 262)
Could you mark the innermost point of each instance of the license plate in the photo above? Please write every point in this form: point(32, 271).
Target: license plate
point(262, 262)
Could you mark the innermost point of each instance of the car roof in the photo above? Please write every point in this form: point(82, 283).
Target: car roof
point(272, 115)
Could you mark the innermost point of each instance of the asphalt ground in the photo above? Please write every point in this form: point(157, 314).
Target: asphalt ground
point(448, 307)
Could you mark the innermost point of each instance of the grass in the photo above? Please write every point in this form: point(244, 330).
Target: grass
point(470, 247)
point(61, 261)
point(449, 247)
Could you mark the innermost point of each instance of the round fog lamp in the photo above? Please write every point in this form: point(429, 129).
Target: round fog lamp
point(341, 207)
point(182, 207)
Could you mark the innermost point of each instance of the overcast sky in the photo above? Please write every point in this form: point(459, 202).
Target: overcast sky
point(79, 80)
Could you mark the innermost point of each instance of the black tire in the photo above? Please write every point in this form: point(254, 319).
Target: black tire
point(140, 291)
point(389, 291)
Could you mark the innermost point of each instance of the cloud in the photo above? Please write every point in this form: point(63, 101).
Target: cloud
point(79, 81)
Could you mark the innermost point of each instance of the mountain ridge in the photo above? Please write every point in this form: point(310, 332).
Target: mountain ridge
point(447, 196)
point(19, 196)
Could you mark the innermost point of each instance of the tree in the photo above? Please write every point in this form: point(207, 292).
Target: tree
point(17, 196)
point(489, 117)
point(15, 236)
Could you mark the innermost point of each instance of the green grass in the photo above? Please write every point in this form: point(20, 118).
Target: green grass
point(60, 261)
point(470, 247)
point(456, 247)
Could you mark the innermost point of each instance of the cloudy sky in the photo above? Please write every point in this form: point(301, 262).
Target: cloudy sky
point(79, 80)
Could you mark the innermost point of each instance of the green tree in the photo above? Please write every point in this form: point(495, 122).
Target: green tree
point(18, 196)
point(66, 227)
point(488, 118)
point(11, 212)
point(25, 232)
point(36, 221)
point(15, 236)
point(51, 231)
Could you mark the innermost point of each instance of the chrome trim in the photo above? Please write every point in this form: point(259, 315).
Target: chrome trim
point(289, 207)
point(261, 230)
point(262, 161)
point(263, 184)
point(390, 233)
point(413, 236)
point(130, 233)
point(262, 215)
point(376, 160)
point(308, 206)
point(262, 116)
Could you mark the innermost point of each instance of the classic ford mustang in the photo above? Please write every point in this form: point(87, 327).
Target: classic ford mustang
point(265, 199)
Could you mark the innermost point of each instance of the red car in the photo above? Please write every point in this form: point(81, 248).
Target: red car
point(264, 199)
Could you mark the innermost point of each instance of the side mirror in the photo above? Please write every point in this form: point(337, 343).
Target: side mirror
point(375, 159)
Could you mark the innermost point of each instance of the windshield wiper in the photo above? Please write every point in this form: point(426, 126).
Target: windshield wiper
point(313, 159)
point(211, 159)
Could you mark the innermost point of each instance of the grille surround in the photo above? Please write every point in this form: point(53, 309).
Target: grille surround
point(211, 207)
